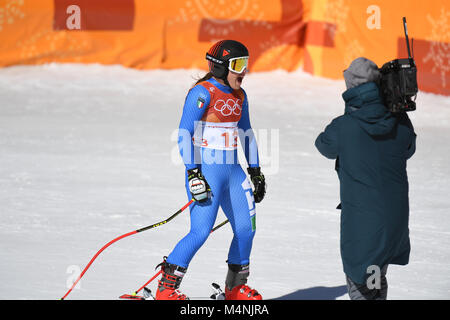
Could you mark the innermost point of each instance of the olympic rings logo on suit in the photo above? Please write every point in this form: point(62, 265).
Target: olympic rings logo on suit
point(229, 107)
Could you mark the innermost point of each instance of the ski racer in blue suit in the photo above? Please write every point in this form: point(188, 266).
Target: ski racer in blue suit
point(215, 115)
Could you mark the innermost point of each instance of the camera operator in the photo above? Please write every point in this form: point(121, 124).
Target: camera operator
point(371, 146)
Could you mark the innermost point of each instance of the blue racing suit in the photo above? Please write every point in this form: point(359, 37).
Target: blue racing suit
point(214, 116)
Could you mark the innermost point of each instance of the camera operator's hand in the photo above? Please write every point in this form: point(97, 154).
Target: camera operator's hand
point(198, 186)
point(259, 182)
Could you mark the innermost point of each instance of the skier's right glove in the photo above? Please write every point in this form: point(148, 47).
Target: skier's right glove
point(198, 186)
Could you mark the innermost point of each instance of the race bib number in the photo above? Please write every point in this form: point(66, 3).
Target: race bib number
point(216, 135)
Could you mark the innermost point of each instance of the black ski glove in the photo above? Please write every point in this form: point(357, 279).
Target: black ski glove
point(259, 182)
point(198, 186)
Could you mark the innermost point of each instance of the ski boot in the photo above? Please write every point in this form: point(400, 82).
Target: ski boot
point(235, 284)
point(170, 282)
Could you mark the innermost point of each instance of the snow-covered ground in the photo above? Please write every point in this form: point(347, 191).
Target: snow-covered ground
point(87, 153)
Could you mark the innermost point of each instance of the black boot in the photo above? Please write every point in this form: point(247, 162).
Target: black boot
point(170, 282)
point(235, 284)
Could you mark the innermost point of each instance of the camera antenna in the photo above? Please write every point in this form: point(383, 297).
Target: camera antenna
point(407, 38)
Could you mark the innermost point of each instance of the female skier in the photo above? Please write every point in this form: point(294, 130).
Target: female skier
point(215, 113)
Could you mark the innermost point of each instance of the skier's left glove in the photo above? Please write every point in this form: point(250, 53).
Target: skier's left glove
point(198, 186)
point(259, 182)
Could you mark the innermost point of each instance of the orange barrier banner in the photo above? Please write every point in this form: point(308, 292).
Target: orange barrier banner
point(123, 32)
point(320, 36)
point(374, 29)
point(113, 15)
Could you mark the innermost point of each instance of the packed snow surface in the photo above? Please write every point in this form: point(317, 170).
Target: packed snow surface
point(88, 153)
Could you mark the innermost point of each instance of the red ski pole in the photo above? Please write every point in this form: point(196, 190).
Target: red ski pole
point(124, 236)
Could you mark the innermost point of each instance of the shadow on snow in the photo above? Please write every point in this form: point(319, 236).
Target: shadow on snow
point(315, 293)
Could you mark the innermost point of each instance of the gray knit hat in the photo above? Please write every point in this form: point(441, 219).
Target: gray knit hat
point(360, 71)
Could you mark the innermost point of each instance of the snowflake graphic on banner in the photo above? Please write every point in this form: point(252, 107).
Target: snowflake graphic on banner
point(10, 12)
point(53, 44)
point(220, 13)
point(336, 12)
point(439, 53)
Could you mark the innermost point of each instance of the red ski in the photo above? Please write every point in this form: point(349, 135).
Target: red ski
point(147, 295)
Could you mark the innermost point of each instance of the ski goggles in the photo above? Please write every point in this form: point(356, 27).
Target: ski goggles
point(238, 65)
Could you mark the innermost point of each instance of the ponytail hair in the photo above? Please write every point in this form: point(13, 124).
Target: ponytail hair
point(207, 76)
